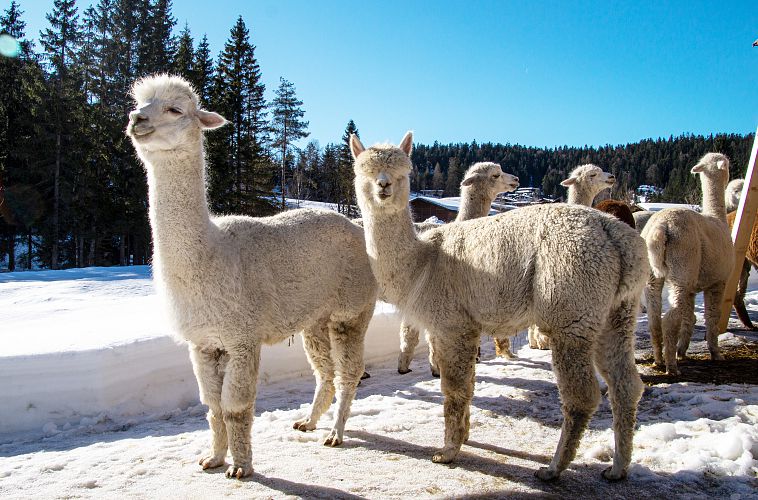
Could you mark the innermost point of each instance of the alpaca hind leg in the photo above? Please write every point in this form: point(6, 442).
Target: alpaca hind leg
point(238, 405)
point(347, 347)
point(614, 358)
point(580, 395)
point(208, 366)
point(683, 302)
point(433, 366)
point(318, 350)
point(503, 348)
point(653, 292)
point(457, 357)
point(739, 297)
point(408, 342)
point(713, 298)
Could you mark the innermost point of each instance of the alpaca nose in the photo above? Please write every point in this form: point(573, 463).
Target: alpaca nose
point(383, 181)
point(515, 179)
point(137, 117)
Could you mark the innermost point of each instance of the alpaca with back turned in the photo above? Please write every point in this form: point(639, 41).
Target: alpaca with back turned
point(500, 274)
point(234, 283)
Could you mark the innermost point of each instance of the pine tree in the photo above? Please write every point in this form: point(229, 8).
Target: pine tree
point(454, 174)
point(438, 178)
point(346, 182)
point(60, 43)
point(185, 54)
point(287, 125)
point(202, 71)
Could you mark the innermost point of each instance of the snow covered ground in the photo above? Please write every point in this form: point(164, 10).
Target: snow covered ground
point(96, 400)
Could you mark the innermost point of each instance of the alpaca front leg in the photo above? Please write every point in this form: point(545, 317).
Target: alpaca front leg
point(653, 298)
point(318, 351)
point(580, 395)
point(208, 366)
point(238, 406)
point(408, 342)
point(457, 359)
point(433, 366)
point(739, 297)
point(713, 298)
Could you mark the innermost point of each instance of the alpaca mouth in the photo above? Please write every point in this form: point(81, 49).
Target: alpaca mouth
point(142, 131)
point(383, 196)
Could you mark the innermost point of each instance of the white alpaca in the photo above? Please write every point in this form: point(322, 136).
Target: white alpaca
point(732, 194)
point(234, 283)
point(575, 272)
point(481, 184)
point(691, 252)
point(584, 183)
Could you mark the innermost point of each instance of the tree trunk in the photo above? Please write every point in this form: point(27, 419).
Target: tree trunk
point(56, 202)
point(122, 250)
point(92, 246)
point(11, 248)
point(29, 249)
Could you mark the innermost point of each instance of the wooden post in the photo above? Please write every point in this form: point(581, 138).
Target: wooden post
point(741, 231)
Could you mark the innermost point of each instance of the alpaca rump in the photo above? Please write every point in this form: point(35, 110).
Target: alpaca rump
point(228, 286)
point(751, 259)
point(573, 271)
point(691, 252)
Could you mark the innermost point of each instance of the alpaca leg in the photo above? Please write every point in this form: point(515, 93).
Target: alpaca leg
point(457, 358)
point(739, 297)
point(713, 296)
point(653, 292)
point(318, 350)
point(684, 302)
point(208, 367)
point(580, 395)
point(537, 339)
point(614, 358)
point(503, 348)
point(238, 406)
point(674, 325)
point(347, 347)
point(408, 343)
point(433, 367)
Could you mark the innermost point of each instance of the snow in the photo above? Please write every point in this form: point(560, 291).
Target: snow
point(98, 400)
point(654, 207)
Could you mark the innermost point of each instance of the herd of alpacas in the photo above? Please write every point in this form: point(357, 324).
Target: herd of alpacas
point(571, 273)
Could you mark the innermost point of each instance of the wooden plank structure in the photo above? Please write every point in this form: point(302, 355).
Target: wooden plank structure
point(741, 231)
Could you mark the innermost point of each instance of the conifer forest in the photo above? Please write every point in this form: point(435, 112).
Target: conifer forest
point(73, 193)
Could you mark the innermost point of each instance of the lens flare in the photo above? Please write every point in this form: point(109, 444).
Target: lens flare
point(9, 46)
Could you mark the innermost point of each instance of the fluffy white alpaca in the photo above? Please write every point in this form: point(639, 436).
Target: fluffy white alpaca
point(732, 194)
point(234, 283)
point(584, 183)
point(575, 272)
point(691, 252)
point(481, 184)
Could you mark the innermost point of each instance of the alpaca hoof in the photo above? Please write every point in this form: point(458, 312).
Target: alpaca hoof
point(435, 371)
point(211, 462)
point(304, 425)
point(332, 440)
point(508, 355)
point(239, 471)
point(546, 474)
point(611, 476)
point(673, 371)
point(365, 375)
point(403, 371)
point(717, 357)
point(444, 456)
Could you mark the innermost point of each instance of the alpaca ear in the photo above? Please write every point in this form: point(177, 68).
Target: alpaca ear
point(568, 182)
point(210, 120)
point(356, 147)
point(697, 169)
point(468, 181)
point(720, 164)
point(406, 145)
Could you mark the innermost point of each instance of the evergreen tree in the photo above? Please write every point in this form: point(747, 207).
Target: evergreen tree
point(454, 177)
point(346, 184)
point(287, 125)
point(202, 72)
point(438, 178)
point(183, 64)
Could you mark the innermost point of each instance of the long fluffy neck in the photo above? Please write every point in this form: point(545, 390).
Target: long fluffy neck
point(179, 214)
point(396, 254)
point(474, 204)
point(580, 195)
point(713, 198)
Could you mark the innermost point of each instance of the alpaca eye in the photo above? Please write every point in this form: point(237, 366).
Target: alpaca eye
point(496, 176)
point(174, 111)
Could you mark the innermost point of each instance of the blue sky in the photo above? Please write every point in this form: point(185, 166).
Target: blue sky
point(527, 72)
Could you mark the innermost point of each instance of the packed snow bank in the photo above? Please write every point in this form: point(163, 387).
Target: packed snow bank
point(82, 343)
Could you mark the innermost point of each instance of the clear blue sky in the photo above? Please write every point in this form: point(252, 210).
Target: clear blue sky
point(528, 72)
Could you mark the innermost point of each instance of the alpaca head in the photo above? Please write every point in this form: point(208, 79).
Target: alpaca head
point(489, 178)
point(167, 116)
point(382, 174)
point(733, 193)
point(713, 167)
point(590, 179)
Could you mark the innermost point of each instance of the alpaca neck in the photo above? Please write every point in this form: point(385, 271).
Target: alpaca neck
point(395, 252)
point(473, 205)
point(579, 196)
point(179, 214)
point(713, 199)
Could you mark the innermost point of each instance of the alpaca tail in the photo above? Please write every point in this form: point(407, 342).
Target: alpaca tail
point(633, 257)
